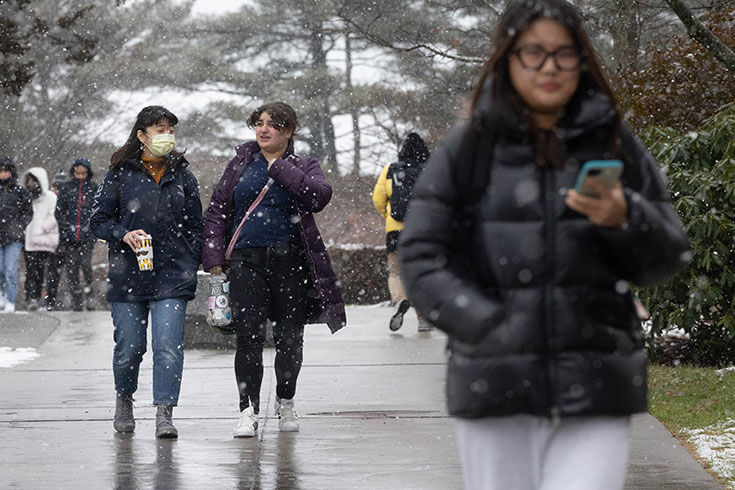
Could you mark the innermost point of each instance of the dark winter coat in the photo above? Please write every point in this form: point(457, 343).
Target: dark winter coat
point(73, 210)
point(534, 296)
point(302, 177)
point(170, 211)
point(16, 209)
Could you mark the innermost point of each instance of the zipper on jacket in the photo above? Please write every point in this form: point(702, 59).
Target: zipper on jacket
point(547, 180)
point(79, 208)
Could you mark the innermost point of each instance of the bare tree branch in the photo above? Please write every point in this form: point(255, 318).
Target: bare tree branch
point(702, 35)
point(418, 46)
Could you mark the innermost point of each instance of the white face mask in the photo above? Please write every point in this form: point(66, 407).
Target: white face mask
point(162, 144)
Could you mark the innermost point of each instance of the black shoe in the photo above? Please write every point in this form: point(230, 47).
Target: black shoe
point(396, 321)
point(164, 423)
point(91, 303)
point(124, 421)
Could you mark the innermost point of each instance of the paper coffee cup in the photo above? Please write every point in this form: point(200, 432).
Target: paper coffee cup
point(145, 254)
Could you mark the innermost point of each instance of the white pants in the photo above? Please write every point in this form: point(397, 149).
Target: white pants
point(524, 452)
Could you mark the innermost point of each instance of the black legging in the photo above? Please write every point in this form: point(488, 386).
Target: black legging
point(35, 267)
point(78, 257)
point(55, 265)
point(268, 282)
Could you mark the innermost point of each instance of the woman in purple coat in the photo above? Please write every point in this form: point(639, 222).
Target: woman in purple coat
point(279, 268)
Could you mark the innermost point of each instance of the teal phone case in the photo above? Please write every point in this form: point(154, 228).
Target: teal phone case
point(606, 170)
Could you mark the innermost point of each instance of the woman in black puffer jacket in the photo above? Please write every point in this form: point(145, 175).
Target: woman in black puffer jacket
point(529, 278)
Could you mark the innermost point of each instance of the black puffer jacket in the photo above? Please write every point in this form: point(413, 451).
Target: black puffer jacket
point(16, 209)
point(535, 297)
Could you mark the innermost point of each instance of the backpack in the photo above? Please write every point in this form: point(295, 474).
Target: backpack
point(404, 177)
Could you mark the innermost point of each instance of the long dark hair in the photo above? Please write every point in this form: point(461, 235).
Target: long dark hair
point(133, 148)
point(514, 21)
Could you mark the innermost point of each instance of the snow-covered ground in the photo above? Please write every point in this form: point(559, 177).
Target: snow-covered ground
point(715, 445)
point(10, 357)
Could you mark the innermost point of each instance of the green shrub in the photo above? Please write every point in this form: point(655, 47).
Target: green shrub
point(700, 167)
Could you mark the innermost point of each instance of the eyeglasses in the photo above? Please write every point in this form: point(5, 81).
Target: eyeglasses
point(533, 57)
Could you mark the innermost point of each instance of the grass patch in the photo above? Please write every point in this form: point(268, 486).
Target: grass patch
point(698, 406)
point(687, 397)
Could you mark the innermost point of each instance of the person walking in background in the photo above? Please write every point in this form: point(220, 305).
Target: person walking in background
point(149, 191)
point(73, 210)
point(529, 278)
point(390, 197)
point(55, 260)
point(16, 211)
point(41, 237)
point(60, 178)
point(279, 268)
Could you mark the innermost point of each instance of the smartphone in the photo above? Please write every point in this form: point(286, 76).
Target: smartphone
point(608, 171)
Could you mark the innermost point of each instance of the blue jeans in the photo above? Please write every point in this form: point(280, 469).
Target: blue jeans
point(167, 328)
point(9, 255)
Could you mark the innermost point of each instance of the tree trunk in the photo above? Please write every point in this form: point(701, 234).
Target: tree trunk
point(702, 35)
point(625, 31)
point(352, 106)
point(324, 129)
point(329, 138)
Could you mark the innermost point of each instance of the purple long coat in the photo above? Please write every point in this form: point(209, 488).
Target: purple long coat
point(302, 177)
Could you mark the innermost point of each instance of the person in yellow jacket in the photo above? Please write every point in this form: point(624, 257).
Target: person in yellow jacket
point(401, 177)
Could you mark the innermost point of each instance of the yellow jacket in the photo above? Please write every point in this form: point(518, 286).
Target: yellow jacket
point(381, 200)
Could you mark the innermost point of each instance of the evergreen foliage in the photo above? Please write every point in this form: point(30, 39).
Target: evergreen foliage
point(701, 171)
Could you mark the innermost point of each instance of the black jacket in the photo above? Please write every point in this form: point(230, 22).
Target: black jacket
point(170, 211)
point(73, 210)
point(16, 210)
point(534, 296)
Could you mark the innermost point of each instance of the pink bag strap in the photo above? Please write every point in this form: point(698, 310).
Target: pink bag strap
point(255, 203)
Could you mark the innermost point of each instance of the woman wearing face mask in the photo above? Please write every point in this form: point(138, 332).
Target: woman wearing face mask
point(16, 211)
point(529, 278)
point(149, 190)
point(279, 268)
point(42, 236)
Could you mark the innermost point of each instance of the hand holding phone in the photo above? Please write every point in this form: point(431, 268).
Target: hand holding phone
point(609, 209)
point(606, 171)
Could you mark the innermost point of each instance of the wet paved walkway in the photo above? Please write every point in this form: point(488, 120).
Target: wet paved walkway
point(371, 406)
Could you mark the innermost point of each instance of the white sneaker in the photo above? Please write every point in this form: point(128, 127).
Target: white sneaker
point(9, 307)
point(247, 425)
point(287, 419)
point(425, 326)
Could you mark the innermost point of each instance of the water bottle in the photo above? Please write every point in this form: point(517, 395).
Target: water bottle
point(219, 316)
